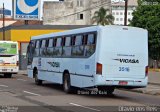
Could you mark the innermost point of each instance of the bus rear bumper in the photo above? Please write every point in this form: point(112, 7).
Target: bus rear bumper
point(122, 82)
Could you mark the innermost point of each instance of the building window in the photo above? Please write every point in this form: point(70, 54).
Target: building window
point(113, 13)
point(121, 13)
point(80, 3)
point(121, 19)
point(80, 16)
point(117, 13)
point(117, 19)
point(129, 13)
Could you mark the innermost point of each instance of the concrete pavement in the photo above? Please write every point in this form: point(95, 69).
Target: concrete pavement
point(154, 78)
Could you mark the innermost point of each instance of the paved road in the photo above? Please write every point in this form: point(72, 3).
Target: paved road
point(21, 91)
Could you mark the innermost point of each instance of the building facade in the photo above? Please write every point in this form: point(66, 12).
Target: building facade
point(7, 13)
point(8, 17)
point(118, 9)
point(72, 12)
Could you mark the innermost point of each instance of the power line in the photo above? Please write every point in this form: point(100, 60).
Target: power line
point(89, 9)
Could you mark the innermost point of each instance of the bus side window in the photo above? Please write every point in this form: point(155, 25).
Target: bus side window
point(85, 38)
point(30, 52)
point(54, 42)
point(78, 48)
point(67, 46)
point(42, 49)
point(50, 48)
point(37, 48)
point(37, 44)
point(73, 40)
point(90, 46)
point(91, 39)
point(57, 51)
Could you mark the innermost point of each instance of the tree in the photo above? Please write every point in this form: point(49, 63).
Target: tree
point(147, 15)
point(101, 17)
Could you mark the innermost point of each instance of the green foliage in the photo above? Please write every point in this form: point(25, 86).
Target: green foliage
point(147, 15)
point(101, 17)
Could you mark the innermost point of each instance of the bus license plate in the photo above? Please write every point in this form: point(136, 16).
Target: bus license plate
point(123, 82)
point(4, 70)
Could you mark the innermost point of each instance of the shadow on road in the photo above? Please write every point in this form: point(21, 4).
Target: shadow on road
point(83, 92)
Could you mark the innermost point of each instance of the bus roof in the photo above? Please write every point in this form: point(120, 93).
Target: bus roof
point(86, 29)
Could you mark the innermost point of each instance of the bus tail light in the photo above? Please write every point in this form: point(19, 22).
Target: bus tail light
point(146, 71)
point(17, 63)
point(99, 69)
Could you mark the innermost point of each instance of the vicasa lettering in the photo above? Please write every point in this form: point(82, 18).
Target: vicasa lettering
point(54, 64)
point(127, 60)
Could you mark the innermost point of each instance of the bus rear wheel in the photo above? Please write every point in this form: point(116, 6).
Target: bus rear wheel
point(37, 81)
point(66, 83)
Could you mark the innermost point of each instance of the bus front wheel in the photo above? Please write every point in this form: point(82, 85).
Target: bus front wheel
point(37, 81)
point(66, 83)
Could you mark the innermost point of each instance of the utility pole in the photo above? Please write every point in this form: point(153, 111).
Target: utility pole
point(3, 23)
point(125, 13)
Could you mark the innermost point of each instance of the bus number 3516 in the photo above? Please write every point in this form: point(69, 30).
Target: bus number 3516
point(127, 69)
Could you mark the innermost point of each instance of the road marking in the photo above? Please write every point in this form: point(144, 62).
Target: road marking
point(31, 93)
point(21, 80)
point(3, 86)
point(84, 106)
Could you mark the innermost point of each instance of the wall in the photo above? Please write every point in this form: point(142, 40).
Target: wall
point(65, 13)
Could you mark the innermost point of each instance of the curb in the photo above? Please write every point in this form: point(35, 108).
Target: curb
point(142, 91)
point(154, 70)
point(152, 83)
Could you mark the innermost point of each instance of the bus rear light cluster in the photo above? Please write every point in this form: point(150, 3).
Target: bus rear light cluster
point(99, 69)
point(146, 71)
point(17, 63)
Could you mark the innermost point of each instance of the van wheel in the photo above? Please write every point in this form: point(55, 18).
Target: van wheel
point(37, 81)
point(66, 83)
point(8, 75)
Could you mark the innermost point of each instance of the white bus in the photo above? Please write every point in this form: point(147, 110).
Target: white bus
point(106, 57)
point(9, 58)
